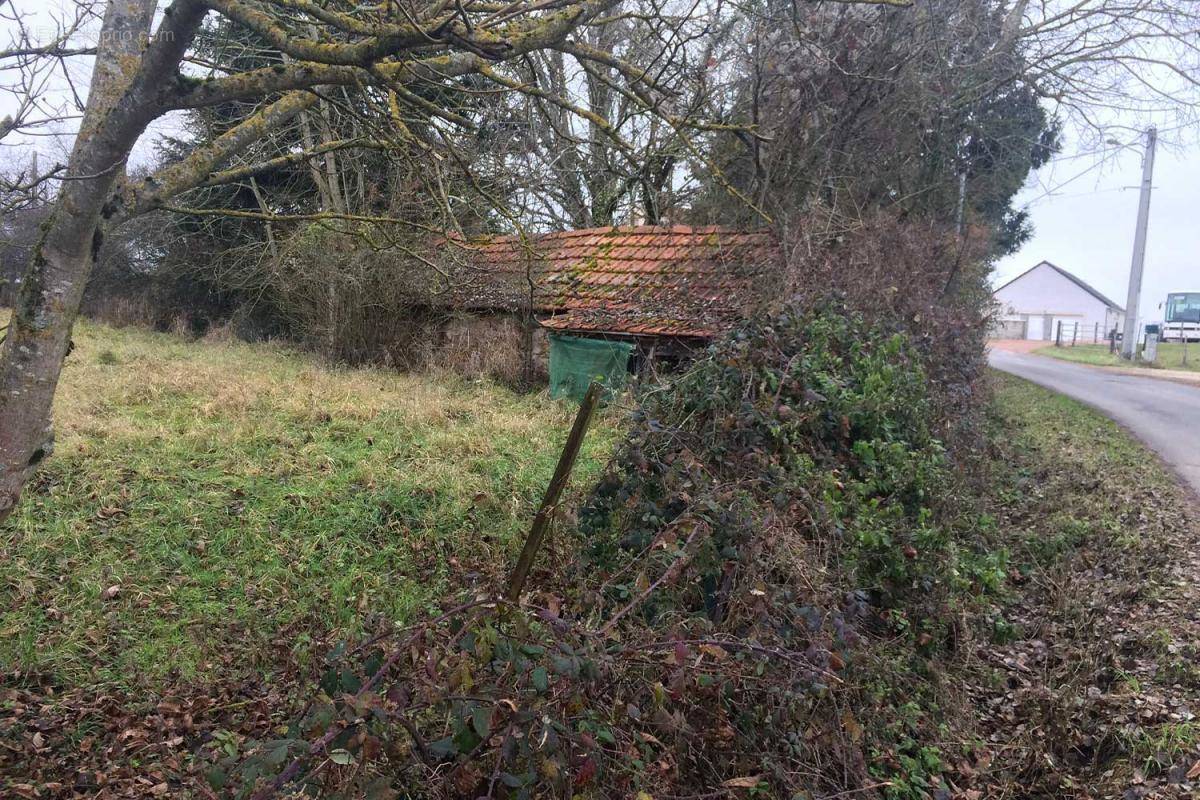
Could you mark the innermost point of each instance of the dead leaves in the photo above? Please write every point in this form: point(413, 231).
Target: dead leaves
point(77, 744)
point(1083, 709)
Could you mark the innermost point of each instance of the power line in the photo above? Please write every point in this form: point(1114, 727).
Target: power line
point(1054, 189)
point(1115, 147)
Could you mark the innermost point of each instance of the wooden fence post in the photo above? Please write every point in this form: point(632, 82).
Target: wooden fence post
point(1058, 334)
point(541, 522)
point(1074, 334)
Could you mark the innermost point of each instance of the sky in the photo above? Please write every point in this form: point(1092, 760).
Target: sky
point(1086, 226)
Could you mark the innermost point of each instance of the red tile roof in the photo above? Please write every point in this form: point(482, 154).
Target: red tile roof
point(645, 280)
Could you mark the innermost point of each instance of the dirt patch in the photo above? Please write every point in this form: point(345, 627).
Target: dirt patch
point(1017, 345)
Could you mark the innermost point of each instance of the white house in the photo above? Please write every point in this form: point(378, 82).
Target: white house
point(1032, 305)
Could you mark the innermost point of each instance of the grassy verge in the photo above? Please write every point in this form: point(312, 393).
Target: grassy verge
point(1170, 356)
point(215, 509)
point(1043, 430)
point(1093, 628)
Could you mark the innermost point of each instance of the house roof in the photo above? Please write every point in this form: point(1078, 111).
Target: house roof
point(1072, 278)
point(643, 280)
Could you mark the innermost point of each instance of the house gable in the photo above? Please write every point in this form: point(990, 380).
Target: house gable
point(1048, 289)
point(1047, 299)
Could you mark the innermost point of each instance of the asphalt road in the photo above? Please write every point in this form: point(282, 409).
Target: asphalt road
point(1164, 415)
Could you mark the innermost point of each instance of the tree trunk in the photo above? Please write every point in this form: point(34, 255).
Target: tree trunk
point(39, 332)
point(332, 173)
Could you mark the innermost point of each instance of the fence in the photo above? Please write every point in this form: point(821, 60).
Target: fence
point(1070, 333)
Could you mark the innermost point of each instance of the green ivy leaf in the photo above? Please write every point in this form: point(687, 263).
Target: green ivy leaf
point(277, 756)
point(466, 740)
point(216, 778)
point(351, 683)
point(481, 721)
point(443, 748)
point(541, 680)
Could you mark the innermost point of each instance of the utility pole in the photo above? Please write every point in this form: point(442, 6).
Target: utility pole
point(1129, 337)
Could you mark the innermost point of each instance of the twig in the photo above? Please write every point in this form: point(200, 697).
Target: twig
point(671, 573)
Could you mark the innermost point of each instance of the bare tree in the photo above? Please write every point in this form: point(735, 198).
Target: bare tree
point(865, 107)
point(617, 160)
point(138, 77)
point(1107, 64)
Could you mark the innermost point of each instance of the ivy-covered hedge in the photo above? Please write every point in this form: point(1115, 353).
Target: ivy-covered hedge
point(746, 603)
point(808, 426)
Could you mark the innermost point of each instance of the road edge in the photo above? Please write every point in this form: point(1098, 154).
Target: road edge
point(1192, 493)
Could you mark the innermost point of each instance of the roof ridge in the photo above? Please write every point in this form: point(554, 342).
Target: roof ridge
point(1082, 284)
point(607, 230)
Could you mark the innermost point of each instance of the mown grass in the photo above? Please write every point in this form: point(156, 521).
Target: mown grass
point(1170, 356)
point(214, 508)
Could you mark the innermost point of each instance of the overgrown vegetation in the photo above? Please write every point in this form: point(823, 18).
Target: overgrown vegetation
point(217, 510)
point(802, 450)
point(781, 588)
point(239, 572)
point(771, 510)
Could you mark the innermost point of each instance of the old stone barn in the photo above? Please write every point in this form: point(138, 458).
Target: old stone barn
point(629, 295)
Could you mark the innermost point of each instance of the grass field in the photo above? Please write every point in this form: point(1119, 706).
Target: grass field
point(1170, 356)
point(214, 508)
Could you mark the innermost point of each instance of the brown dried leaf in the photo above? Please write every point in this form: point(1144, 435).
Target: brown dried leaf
point(715, 651)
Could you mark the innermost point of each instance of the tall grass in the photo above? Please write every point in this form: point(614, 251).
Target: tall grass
point(222, 508)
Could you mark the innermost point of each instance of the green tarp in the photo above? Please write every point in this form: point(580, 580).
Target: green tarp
point(575, 363)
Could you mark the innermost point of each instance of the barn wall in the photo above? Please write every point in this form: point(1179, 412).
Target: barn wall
point(1045, 292)
point(494, 345)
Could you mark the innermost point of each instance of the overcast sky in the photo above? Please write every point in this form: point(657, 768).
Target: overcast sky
point(1086, 226)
